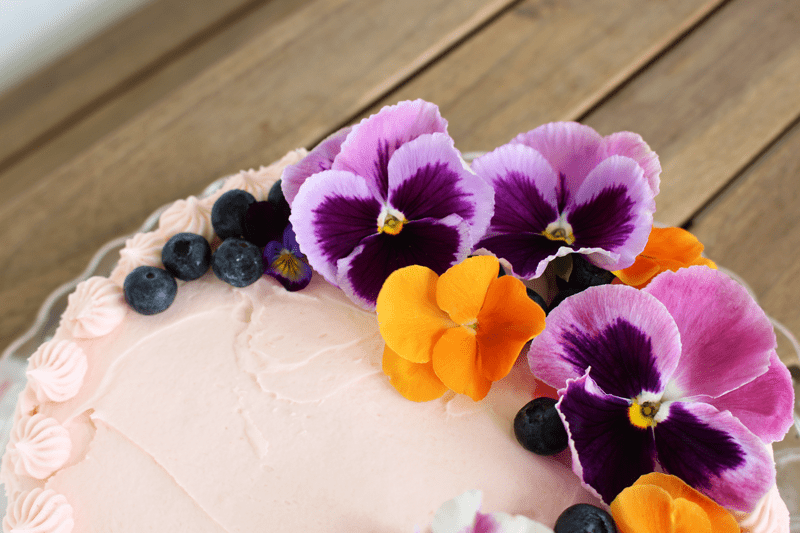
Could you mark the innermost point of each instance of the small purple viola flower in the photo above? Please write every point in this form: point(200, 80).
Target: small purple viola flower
point(285, 262)
point(397, 194)
point(319, 159)
point(562, 188)
point(681, 375)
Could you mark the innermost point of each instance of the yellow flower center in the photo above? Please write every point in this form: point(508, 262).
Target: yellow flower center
point(643, 415)
point(392, 225)
point(560, 230)
point(288, 265)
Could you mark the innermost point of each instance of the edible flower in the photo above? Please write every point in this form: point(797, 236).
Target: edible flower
point(461, 331)
point(462, 515)
point(397, 194)
point(682, 374)
point(285, 262)
point(562, 188)
point(660, 503)
point(666, 249)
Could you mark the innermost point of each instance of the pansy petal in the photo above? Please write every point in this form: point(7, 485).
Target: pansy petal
point(632, 145)
point(455, 361)
point(461, 290)
point(507, 320)
point(528, 253)
point(415, 381)
point(457, 515)
point(572, 149)
point(639, 273)
point(725, 334)
point(613, 210)
point(332, 213)
point(407, 303)
point(650, 509)
point(368, 148)
point(626, 336)
point(714, 453)
point(608, 452)
point(317, 160)
point(436, 244)
point(764, 405)
point(428, 180)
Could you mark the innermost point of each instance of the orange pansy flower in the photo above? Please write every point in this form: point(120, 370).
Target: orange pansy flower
point(666, 249)
point(661, 503)
point(461, 331)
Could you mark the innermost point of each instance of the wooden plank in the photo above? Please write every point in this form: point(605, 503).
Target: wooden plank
point(53, 116)
point(284, 88)
point(754, 230)
point(714, 102)
point(545, 61)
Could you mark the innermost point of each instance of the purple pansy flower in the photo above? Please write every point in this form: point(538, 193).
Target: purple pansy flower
point(397, 194)
point(681, 376)
point(285, 262)
point(462, 515)
point(562, 188)
point(319, 159)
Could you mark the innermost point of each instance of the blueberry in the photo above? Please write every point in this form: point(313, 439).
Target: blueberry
point(585, 518)
point(149, 290)
point(186, 256)
point(536, 297)
point(238, 262)
point(538, 427)
point(264, 223)
point(278, 200)
point(227, 215)
point(585, 274)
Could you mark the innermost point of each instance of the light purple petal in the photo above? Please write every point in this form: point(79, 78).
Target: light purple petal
point(613, 210)
point(608, 452)
point(332, 213)
point(714, 453)
point(367, 150)
point(632, 145)
point(290, 241)
point(436, 244)
point(572, 149)
point(764, 405)
point(626, 336)
point(317, 160)
point(427, 179)
point(727, 339)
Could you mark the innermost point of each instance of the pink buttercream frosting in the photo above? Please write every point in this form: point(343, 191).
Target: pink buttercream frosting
point(95, 308)
point(56, 370)
point(39, 511)
point(39, 446)
point(190, 215)
point(143, 249)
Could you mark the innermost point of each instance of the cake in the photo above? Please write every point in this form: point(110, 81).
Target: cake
point(258, 407)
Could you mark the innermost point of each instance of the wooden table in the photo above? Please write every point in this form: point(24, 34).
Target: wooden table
point(184, 92)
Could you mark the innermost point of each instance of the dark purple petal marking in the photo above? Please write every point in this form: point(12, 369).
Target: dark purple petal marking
point(692, 450)
point(432, 192)
point(429, 243)
point(620, 356)
point(341, 222)
point(381, 165)
point(606, 221)
point(562, 193)
point(525, 251)
point(520, 207)
point(611, 453)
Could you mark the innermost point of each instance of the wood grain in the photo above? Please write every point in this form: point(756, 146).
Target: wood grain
point(64, 109)
point(713, 102)
point(754, 230)
point(544, 61)
point(286, 87)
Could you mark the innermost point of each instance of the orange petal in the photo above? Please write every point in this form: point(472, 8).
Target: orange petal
point(675, 243)
point(690, 517)
point(643, 509)
point(410, 321)
point(455, 362)
point(506, 322)
point(461, 290)
point(721, 520)
point(639, 273)
point(415, 381)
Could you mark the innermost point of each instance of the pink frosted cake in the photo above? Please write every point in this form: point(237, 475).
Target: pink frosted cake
point(387, 383)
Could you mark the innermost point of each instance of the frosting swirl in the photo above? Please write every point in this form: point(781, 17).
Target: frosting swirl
point(95, 308)
point(769, 516)
point(56, 371)
point(140, 250)
point(39, 511)
point(188, 215)
point(40, 446)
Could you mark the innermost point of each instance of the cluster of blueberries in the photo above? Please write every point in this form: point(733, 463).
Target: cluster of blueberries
point(244, 225)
